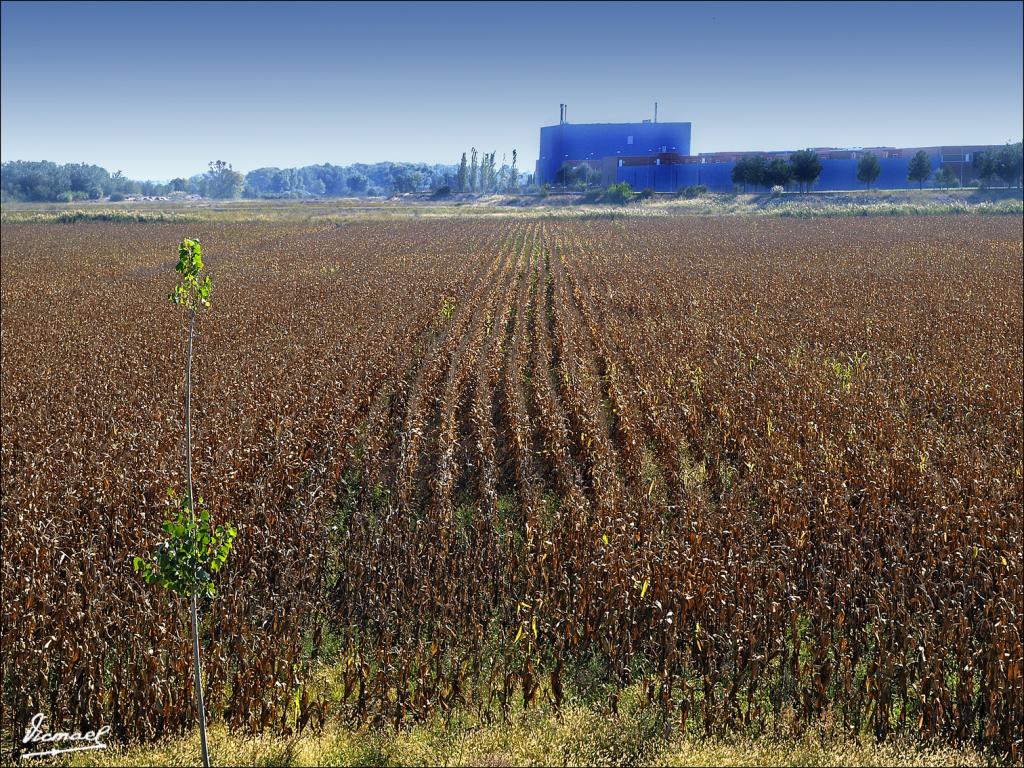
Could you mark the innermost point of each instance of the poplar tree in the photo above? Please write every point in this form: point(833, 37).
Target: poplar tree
point(487, 172)
point(463, 174)
point(195, 549)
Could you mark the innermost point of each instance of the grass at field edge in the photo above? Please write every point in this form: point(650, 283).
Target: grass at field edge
point(578, 735)
point(345, 212)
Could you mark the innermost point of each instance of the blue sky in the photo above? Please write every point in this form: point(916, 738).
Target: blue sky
point(160, 89)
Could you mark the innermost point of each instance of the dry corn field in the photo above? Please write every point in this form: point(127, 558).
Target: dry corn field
point(768, 469)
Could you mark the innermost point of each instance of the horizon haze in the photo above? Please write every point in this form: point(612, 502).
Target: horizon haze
point(158, 90)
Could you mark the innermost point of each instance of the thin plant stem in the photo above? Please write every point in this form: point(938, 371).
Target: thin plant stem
point(192, 512)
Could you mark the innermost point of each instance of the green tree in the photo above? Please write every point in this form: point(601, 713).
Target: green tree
point(195, 550)
point(749, 170)
point(34, 181)
point(473, 182)
point(1007, 163)
point(777, 173)
point(463, 174)
point(119, 183)
point(404, 179)
point(501, 177)
point(513, 174)
point(86, 181)
point(946, 178)
point(920, 168)
point(756, 166)
point(579, 175)
point(806, 167)
point(739, 173)
point(223, 182)
point(485, 172)
point(489, 172)
point(868, 169)
point(985, 164)
point(357, 183)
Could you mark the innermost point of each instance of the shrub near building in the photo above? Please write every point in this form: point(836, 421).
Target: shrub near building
point(619, 194)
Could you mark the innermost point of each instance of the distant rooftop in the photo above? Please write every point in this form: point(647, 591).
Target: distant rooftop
point(635, 122)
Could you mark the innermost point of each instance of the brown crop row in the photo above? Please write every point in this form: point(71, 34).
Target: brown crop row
point(772, 468)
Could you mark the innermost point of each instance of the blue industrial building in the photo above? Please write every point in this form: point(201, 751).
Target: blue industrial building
point(571, 143)
point(836, 174)
point(653, 155)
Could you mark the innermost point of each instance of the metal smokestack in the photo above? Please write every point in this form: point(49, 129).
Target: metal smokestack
point(655, 111)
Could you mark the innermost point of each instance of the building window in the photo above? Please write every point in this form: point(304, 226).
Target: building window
point(629, 139)
point(620, 162)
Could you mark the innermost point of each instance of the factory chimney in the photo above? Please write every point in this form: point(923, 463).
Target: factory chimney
point(655, 111)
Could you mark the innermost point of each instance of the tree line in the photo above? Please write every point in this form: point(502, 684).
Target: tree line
point(804, 168)
point(1005, 163)
point(480, 173)
point(328, 180)
point(44, 181)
